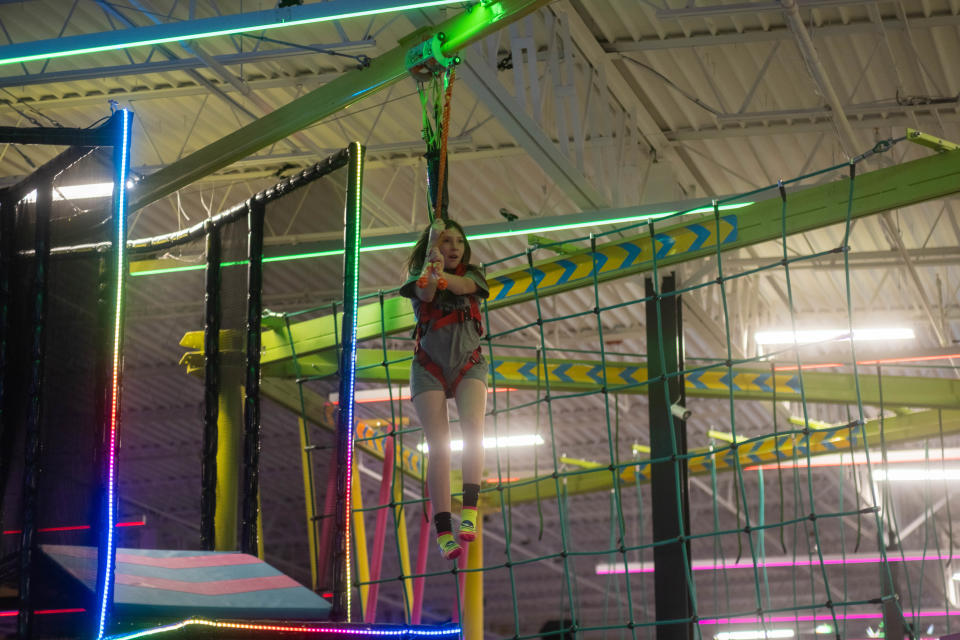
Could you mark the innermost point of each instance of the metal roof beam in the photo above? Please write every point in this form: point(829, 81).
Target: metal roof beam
point(530, 135)
point(749, 7)
point(483, 82)
point(621, 88)
point(878, 120)
point(776, 33)
point(848, 141)
point(182, 64)
point(387, 69)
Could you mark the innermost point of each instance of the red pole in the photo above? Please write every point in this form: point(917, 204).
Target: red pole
point(386, 483)
point(422, 549)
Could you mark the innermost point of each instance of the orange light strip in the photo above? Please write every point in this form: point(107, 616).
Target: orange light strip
point(834, 365)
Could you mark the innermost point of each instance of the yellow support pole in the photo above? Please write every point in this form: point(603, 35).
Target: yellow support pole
point(472, 623)
point(579, 462)
point(260, 551)
point(310, 500)
point(404, 545)
point(931, 142)
point(229, 422)
point(360, 539)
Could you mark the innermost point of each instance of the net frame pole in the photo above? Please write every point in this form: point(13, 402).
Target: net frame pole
point(348, 364)
point(256, 208)
point(7, 257)
point(673, 604)
point(120, 126)
point(31, 476)
point(211, 390)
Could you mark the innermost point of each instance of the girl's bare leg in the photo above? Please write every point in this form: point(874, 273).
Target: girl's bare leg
point(432, 409)
point(471, 404)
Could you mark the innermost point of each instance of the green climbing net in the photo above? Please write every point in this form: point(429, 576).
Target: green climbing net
point(767, 538)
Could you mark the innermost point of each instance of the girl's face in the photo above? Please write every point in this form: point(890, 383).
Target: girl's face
point(451, 247)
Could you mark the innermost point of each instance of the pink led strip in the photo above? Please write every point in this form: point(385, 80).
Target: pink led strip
point(777, 562)
point(11, 614)
point(77, 527)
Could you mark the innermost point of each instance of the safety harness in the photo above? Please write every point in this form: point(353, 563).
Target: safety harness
point(431, 317)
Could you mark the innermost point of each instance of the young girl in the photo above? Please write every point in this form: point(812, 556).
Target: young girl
point(444, 289)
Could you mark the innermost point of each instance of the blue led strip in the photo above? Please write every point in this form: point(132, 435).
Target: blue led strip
point(348, 374)
point(108, 555)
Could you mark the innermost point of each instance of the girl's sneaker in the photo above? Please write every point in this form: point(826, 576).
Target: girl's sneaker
point(449, 547)
point(468, 524)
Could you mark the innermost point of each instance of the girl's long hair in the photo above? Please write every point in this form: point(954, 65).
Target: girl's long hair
point(419, 253)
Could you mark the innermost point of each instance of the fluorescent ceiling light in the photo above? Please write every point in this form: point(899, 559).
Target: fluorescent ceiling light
point(823, 628)
point(827, 335)
point(914, 474)
point(758, 634)
point(76, 192)
point(527, 440)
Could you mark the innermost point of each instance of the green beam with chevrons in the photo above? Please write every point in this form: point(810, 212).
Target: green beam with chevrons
point(471, 25)
point(631, 377)
point(763, 450)
point(909, 183)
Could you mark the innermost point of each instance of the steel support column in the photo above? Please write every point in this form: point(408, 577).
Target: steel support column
point(211, 390)
point(34, 417)
point(669, 485)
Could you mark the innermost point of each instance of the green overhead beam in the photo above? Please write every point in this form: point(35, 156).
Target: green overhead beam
point(763, 450)
point(473, 24)
point(899, 186)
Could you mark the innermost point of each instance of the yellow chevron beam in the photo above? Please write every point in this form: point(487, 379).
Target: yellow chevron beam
point(631, 378)
point(764, 450)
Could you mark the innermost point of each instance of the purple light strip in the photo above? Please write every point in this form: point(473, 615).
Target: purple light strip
point(777, 563)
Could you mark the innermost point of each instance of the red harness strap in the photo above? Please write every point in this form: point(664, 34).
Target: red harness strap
point(430, 317)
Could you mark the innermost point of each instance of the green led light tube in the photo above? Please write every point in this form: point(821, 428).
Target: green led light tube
point(483, 235)
point(206, 28)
